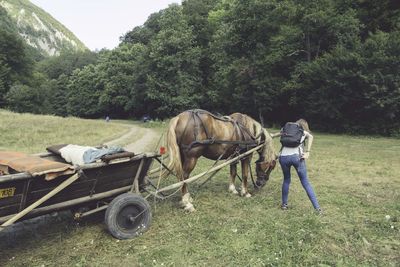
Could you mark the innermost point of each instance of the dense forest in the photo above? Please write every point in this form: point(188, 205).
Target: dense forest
point(335, 63)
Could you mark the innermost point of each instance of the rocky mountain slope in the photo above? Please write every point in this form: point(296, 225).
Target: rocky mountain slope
point(39, 29)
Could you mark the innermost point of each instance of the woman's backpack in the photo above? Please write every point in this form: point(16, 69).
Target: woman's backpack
point(291, 134)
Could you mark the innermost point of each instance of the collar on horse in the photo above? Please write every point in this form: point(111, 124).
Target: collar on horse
point(248, 139)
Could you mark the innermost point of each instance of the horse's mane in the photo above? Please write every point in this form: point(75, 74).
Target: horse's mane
point(268, 151)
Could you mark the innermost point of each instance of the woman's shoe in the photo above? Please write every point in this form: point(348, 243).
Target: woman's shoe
point(284, 207)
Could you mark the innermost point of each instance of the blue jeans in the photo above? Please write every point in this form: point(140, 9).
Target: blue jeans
point(300, 165)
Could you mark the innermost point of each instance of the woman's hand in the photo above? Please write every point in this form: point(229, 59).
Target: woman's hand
point(305, 155)
point(275, 134)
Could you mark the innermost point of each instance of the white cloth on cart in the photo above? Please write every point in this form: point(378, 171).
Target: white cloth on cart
point(80, 155)
point(74, 153)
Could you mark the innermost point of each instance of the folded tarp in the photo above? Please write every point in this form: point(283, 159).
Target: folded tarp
point(92, 155)
point(33, 165)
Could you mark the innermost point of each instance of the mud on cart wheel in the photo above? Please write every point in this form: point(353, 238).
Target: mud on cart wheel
point(127, 216)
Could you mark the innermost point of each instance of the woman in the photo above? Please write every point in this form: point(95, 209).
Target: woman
point(296, 156)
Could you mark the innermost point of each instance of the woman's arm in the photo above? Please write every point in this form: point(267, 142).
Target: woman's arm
point(276, 134)
point(310, 139)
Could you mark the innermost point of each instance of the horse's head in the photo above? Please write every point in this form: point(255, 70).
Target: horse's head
point(263, 170)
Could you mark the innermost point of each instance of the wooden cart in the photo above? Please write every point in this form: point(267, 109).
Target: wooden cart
point(113, 186)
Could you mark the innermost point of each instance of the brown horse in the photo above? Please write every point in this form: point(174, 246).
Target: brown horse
point(196, 133)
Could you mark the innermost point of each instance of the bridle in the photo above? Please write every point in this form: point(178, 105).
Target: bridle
point(268, 166)
point(261, 166)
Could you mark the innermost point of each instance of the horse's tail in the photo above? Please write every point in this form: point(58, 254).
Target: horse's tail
point(175, 163)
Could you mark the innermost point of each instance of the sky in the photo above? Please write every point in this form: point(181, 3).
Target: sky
point(100, 23)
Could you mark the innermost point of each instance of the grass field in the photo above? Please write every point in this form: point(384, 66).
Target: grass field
point(32, 133)
point(356, 179)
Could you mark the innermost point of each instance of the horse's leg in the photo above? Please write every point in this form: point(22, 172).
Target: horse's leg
point(232, 187)
point(188, 166)
point(245, 171)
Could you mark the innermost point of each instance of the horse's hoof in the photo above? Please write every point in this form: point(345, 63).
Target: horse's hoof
point(233, 190)
point(189, 208)
point(246, 194)
point(187, 198)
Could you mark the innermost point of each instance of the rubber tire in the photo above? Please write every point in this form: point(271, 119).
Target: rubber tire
point(123, 205)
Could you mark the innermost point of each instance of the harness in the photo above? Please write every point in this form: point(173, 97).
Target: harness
point(247, 139)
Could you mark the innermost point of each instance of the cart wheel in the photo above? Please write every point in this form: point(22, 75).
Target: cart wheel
point(127, 216)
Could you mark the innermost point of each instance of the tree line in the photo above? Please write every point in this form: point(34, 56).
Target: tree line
point(335, 63)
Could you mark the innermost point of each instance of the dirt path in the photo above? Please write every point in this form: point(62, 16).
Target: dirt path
point(137, 140)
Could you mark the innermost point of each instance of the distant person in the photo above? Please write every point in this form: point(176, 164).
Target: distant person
point(146, 118)
point(293, 137)
point(107, 118)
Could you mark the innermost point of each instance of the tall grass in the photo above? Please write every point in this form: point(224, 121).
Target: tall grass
point(32, 133)
point(357, 182)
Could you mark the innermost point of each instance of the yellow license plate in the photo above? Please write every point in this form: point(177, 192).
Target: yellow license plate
point(7, 192)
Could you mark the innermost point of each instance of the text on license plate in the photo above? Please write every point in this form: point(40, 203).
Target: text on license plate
point(7, 192)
